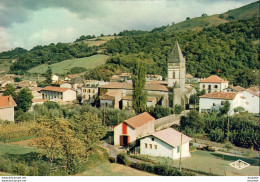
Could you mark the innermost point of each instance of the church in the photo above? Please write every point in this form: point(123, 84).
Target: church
point(173, 91)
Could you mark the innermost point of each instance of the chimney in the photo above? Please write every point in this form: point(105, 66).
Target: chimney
point(10, 100)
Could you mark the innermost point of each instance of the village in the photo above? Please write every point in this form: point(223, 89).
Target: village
point(143, 136)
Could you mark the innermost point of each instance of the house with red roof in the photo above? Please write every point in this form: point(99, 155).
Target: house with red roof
point(166, 143)
point(58, 94)
point(213, 84)
point(133, 128)
point(7, 105)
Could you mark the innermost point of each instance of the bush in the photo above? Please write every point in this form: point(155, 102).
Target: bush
point(178, 109)
point(44, 168)
point(160, 111)
point(6, 165)
point(20, 168)
point(217, 135)
point(122, 159)
point(162, 170)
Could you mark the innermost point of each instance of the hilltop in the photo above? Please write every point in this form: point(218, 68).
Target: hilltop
point(198, 23)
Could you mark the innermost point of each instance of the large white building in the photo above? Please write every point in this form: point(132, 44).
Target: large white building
point(131, 129)
point(58, 94)
point(166, 143)
point(213, 84)
point(247, 99)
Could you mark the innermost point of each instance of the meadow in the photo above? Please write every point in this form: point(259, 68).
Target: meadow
point(64, 66)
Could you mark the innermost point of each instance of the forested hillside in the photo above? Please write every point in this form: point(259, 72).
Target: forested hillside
point(12, 54)
point(50, 54)
point(226, 50)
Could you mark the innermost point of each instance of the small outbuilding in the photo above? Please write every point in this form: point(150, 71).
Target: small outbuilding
point(131, 129)
point(166, 143)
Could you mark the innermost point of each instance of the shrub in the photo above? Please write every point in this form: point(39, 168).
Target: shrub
point(44, 168)
point(178, 109)
point(20, 168)
point(122, 159)
point(6, 165)
point(217, 135)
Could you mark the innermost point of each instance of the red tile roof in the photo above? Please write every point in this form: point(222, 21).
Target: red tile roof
point(128, 86)
point(237, 88)
point(172, 137)
point(55, 89)
point(139, 120)
point(189, 75)
point(213, 79)
point(38, 89)
point(220, 95)
point(7, 101)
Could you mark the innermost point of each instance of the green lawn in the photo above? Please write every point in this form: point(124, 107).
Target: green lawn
point(108, 169)
point(214, 162)
point(10, 149)
point(64, 66)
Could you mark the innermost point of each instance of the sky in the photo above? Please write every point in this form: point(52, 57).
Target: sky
point(27, 23)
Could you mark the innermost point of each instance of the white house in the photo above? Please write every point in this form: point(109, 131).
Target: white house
point(58, 94)
point(55, 78)
point(251, 103)
point(136, 127)
point(213, 84)
point(7, 105)
point(166, 143)
point(89, 92)
point(215, 100)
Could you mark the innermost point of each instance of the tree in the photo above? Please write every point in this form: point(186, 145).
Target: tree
point(10, 90)
point(192, 121)
point(138, 79)
point(239, 109)
point(58, 141)
point(24, 99)
point(178, 109)
point(187, 18)
point(48, 75)
point(204, 15)
point(160, 111)
point(225, 108)
point(89, 129)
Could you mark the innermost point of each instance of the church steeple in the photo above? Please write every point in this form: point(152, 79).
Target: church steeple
point(176, 54)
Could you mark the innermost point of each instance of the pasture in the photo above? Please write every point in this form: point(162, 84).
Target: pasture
point(64, 66)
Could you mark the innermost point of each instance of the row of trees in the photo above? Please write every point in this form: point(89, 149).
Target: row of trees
point(241, 129)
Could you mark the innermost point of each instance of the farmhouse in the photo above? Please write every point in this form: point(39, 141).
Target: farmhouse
point(136, 127)
point(127, 102)
point(111, 99)
point(166, 143)
point(58, 94)
point(7, 105)
point(213, 84)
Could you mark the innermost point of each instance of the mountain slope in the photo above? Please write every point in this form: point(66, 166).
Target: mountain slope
point(198, 23)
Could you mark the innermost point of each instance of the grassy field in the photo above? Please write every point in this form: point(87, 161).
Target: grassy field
point(213, 162)
point(98, 41)
point(11, 149)
point(113, 169)
point(64, 66)
point(5, 66)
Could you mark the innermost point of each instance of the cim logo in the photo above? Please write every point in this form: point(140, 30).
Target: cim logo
point(239, 164)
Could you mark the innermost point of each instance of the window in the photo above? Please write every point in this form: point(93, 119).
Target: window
point(88, 90)
point(178, 149)
point(93, 91)
point(215, 86)
point(214, 104)
point(155, 147)
point(173, 74)
point(145, 145)
point(203, 86)
point(151, 146)
point(152, 139)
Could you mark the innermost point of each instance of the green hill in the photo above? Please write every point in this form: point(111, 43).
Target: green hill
point(244, 12)
point(198, 23)
point(64, 66)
